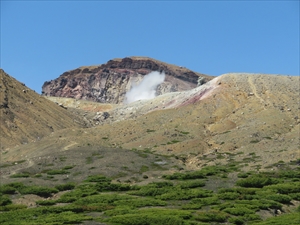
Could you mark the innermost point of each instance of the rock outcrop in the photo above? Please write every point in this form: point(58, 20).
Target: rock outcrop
point(108, 83)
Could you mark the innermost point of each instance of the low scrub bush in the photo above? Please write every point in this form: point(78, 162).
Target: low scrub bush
point(192, 184)
point(295, 196)
point(149, 131)
point(256, 181)
point(68, 167)
point(20, 175)
point(262, 203)
point(229, 195)
point(68, 198)
point(64, 187)
point(97, 178)
point(237, 220)
point(153, 217)
point(192, 206)
point(212, 216)
point(198, 203)
point(11, 188)
point(214, 200)
point(119, 210)
point(77, 193)
point(285, 188)
point(285, 199)
point(289, 174)
point(285, 219)
point(185, 194)
point(105, 186)
point(240, 190)
point(4, 200)
point(248, 205)
point(103, 198)
point(185, 176)
point(152, 189)
point(42, 216)
point(140, 202)
point(40, 191)
point(16, 185)
point(252, 218)
point(162, 184)
point(46, 202)
point(57, 172)
point(5, 189)
point(12, 207)
point(239, 211)
point(243, 175)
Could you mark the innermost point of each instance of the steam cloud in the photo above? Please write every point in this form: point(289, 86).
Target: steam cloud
point(146, 89)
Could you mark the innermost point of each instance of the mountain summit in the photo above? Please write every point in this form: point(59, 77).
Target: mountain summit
point(108, 83)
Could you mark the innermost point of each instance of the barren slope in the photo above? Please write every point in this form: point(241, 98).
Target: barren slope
point(245, 113)
point(26, 117)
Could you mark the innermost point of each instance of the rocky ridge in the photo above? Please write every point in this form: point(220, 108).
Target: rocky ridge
point(108, 83)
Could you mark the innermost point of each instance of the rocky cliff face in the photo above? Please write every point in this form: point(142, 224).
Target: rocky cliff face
point(108, 83)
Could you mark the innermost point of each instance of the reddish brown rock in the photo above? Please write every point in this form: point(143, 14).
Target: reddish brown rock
point(108, 83)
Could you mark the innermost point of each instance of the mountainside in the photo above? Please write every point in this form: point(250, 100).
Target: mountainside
point(231, 113)
point(108, 83)
point(27, 117)
point(225, 152)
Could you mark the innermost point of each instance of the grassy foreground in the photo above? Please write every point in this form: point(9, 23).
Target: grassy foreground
point(181, 198)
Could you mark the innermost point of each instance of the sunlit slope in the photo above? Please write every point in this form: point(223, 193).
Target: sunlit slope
point(247, 113)
point(26, 117)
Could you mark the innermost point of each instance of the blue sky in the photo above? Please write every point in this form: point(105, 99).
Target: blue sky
point(42, 39)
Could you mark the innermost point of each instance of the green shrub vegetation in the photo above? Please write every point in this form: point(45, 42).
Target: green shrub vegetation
point(68, 167)
point(12, 207)
point(181, 198)
point(5, 189)
point(4, 200)
point(257, 181)
point(56, 172)
point(149, 131)
point(46, 202)
point(19, 175)
point(64, 187)
point(286, 219)
point(40, 191)
point(41, 216)
point(212, 216)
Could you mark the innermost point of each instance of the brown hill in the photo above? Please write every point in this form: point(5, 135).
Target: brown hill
point(26, 117)
point(233, 114)
point(108, 83)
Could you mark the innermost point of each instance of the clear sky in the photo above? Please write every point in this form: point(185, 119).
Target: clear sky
point(42, 39)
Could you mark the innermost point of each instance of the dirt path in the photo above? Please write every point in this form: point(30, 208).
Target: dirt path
point(6, 172)
point(70, 145)
point(254, 91)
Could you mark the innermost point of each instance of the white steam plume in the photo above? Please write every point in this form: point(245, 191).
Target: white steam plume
point(146, 89)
